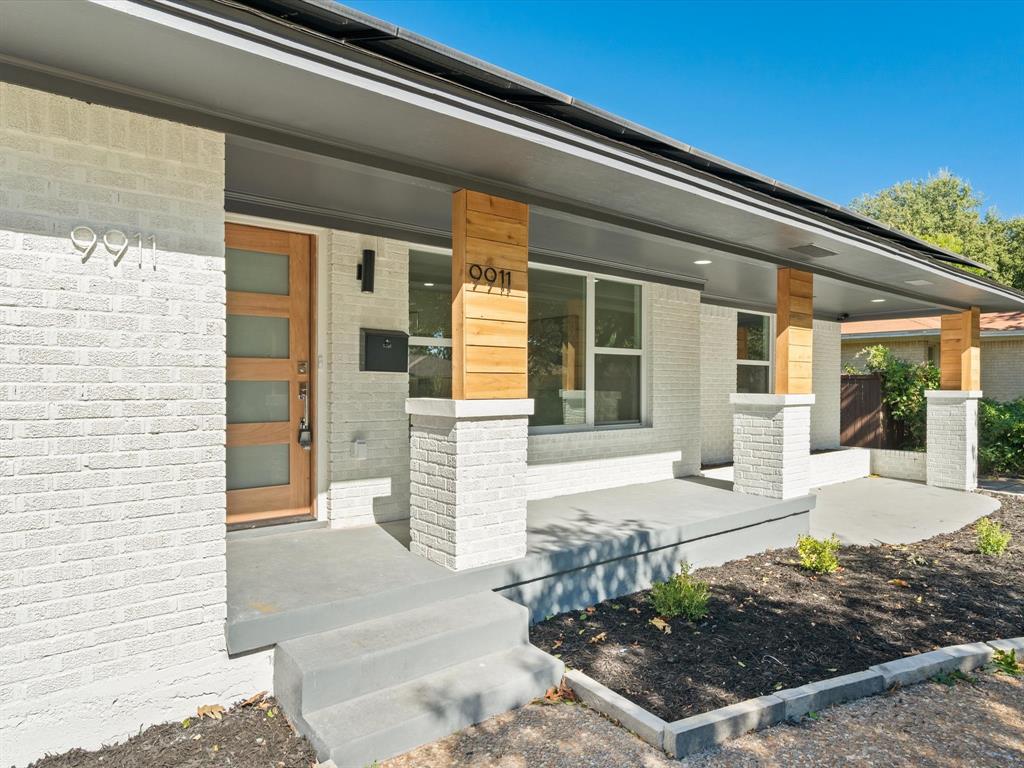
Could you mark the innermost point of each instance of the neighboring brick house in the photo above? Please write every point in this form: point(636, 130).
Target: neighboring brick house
point(285, 289)
point(916, 340)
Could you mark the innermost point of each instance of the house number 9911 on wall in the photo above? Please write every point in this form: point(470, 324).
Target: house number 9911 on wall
point(117, 243)
point(495, 278)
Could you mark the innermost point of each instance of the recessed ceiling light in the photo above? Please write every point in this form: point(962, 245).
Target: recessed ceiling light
point(428, 285)
point(702, 261)
point(877, 301)
point(918, 282)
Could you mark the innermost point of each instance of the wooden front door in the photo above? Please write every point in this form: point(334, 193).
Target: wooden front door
point(268, 373)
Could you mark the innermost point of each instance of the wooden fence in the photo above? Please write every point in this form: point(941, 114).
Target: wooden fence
point(863, 421)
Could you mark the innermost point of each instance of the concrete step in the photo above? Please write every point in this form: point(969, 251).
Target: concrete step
point(327, 668)
point(393, 720)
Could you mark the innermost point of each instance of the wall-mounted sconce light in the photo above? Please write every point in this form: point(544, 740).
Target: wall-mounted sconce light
point(364, 271)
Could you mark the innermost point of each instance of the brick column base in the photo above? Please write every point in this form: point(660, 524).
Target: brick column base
point(771, 444)
point(467, 472)
point(953, 438)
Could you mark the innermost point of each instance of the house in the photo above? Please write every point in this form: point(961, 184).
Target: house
point(331, 355)
point(916, 339)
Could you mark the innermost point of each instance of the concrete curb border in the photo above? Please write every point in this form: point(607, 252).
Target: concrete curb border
point(709, 729)
point(635, 718)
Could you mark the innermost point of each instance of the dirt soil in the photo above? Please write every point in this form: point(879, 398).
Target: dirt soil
point(772, 625)
point(255, 735)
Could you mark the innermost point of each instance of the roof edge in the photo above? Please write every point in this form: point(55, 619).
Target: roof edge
point(364, 32)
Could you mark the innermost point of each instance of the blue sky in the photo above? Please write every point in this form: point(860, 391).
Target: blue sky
point(834, 98)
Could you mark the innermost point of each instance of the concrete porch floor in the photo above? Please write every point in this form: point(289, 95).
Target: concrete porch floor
point(582, 548)
point(879, 510)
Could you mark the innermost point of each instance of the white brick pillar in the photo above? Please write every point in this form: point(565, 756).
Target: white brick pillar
point(467, 462)
point(771, 444)
point(953, 438)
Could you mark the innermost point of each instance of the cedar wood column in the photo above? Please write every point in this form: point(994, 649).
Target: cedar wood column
point(960, 350)
point(794, 332)
point(952, 427)
point(490, 236)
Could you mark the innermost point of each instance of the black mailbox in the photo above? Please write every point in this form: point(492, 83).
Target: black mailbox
point(384, 351)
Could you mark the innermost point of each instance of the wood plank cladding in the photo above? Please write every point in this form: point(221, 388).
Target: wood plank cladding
point(960, 350)
point(490, 236)
point(794, 332)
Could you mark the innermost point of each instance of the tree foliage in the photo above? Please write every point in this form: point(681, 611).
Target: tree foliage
point(946, 211)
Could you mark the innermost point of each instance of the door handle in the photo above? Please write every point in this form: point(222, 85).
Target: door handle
point(305, 432)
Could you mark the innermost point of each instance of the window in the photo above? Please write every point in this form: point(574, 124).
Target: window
point(584, 350)
point(753, 352)
point(430, 324)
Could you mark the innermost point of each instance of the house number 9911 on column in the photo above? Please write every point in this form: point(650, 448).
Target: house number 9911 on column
point(496, 278)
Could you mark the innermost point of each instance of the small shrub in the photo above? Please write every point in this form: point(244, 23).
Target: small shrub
point(903, 388)
point(992, 539)
point(682, 595)
point(1007, 663)
point(818, 555)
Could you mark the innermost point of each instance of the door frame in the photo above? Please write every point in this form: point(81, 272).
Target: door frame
point(318, 372)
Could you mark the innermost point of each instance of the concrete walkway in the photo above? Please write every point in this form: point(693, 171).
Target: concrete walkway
point(875, 510)
point(1003, 484)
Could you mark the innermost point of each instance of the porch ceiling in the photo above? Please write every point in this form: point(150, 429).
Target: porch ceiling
point(268, 180)
point(205, 63)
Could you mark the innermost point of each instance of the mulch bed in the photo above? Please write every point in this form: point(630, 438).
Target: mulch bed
point(252, 735)
point(772, 625)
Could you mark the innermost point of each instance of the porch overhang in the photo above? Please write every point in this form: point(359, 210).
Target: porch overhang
point(356, 123)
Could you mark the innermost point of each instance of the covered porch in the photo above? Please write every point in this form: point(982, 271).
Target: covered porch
point(582, 548)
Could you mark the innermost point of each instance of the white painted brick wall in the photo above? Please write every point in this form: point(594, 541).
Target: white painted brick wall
point(899, 465)
point(669, 446)
point(839, 466)
point(771, 447)
point(468, 490)
point(112, 425)
point(718, 381)
point(825, 373)
point(952, 440)
point(366, 405)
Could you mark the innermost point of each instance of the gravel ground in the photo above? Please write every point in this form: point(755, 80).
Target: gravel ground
point(926, 726)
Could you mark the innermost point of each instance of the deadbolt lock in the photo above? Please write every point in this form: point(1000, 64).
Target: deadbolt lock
point(303, 366)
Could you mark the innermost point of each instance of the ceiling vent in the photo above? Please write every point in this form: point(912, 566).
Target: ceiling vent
point(814, 251)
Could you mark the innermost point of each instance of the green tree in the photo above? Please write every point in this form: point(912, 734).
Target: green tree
point(944, 210)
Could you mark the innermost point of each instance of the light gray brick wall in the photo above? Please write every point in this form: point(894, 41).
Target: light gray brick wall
point(364, 405)
point(839, 466)
point(772, 446)
point(826, 373)
point(952, 442)
point(912, 350)
point(468, 490)
point(112, 426)
point(899, 465)
point(1002, 368)
point(669, 445)
point(718, 381)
